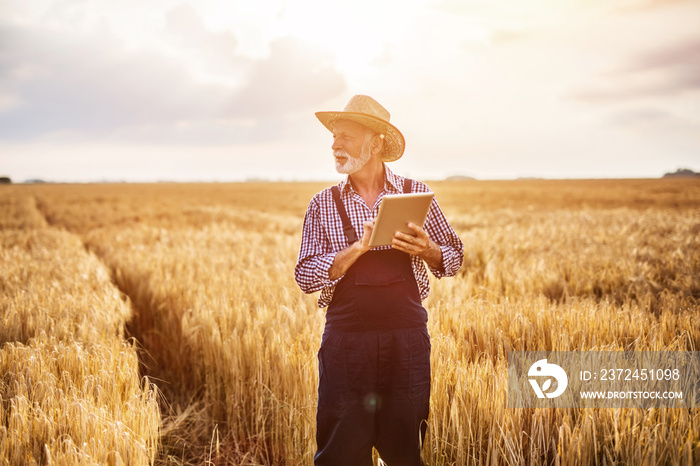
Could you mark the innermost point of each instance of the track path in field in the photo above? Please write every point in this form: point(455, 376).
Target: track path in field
point(166, 356)
point(141, 329)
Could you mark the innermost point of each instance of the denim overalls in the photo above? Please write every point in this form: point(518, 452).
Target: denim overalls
point(374, 364)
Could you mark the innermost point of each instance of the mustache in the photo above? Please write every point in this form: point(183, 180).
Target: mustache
point(340, 153)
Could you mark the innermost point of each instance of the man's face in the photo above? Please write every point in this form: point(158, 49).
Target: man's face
point(351, 146)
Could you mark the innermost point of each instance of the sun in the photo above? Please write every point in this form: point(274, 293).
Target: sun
point(359, 34)
point(356, 32)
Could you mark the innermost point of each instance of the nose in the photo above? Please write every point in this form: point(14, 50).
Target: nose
point(336, 143)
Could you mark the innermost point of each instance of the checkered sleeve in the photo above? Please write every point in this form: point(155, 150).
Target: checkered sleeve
point(440, 231)
point(315, 255)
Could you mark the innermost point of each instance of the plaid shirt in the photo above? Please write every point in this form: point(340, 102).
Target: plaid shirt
point(322, 237)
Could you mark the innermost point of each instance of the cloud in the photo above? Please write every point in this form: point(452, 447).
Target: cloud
point(645, 118)
point(506, 36)
point(91, 85)
point(641, 5)
point(664, 72)
point(213, 51)
point(295, 77)
point(684, 54)
point(71, 86)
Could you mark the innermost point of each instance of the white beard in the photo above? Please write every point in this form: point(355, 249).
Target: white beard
point(351, 164)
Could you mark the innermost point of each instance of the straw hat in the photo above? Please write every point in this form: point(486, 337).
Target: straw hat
point(367, 111)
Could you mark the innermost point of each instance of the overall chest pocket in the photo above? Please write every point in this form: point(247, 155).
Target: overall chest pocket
point(379, 274)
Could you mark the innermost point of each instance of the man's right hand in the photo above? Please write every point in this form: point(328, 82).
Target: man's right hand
point(364, 241)
point(345, 258)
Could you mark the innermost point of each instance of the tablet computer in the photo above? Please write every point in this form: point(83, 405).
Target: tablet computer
point(397, 210)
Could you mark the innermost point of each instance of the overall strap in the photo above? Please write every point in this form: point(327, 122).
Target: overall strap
point(407, 185)
point(347, 226)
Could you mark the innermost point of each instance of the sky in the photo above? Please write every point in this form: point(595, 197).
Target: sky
point(226, 90)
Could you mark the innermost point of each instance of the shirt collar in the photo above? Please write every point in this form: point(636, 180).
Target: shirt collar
point(392, 183)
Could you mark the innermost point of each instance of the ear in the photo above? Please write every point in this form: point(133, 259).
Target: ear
point(377, 143)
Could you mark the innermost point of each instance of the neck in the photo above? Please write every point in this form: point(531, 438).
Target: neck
point(369, 181)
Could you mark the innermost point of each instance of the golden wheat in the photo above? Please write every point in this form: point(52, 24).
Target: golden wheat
point(229, 339)
point(71, 390)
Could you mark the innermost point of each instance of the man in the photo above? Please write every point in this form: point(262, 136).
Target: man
point(374, 360)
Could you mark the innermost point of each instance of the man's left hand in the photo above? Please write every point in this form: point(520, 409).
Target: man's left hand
point(418, 244)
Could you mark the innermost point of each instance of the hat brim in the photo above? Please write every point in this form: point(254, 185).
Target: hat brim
point(394, 142)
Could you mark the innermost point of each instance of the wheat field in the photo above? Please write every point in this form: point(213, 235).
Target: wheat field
point(160, 323)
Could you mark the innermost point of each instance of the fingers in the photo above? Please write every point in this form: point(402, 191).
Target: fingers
point(419, 233)
point(412, 244)
point(368, 228)
point(409, 248)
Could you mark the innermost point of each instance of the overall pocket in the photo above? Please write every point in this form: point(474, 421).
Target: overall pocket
point(379, 275)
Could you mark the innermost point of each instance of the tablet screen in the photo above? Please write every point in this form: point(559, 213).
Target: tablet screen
point(397, 210)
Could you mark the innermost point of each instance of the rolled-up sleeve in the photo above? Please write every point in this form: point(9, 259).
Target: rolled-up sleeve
point(440, 231)
point(315, 258)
